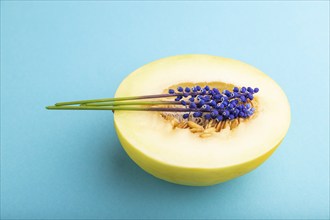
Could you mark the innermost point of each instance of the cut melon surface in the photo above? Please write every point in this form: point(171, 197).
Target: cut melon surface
point(182, 157)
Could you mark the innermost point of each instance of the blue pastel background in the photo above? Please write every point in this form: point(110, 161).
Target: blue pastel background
point(70, 165)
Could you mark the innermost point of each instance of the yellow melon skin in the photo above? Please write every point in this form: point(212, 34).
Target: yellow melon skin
point(190, 176)
point(181, 157)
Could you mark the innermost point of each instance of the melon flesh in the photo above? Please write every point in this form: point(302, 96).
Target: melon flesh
point(182, 157)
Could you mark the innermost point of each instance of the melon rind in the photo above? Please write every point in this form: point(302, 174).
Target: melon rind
point(181, 157)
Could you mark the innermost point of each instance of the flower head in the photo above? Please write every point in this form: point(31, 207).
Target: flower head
point(211, 103)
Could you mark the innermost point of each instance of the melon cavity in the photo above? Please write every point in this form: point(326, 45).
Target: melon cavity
point(205, 127)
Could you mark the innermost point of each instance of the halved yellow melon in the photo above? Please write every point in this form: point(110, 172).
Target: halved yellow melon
point(182, 157)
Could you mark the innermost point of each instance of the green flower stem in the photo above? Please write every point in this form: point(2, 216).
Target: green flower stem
point(120, 108)
point(132, 103)
point(116, 99)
